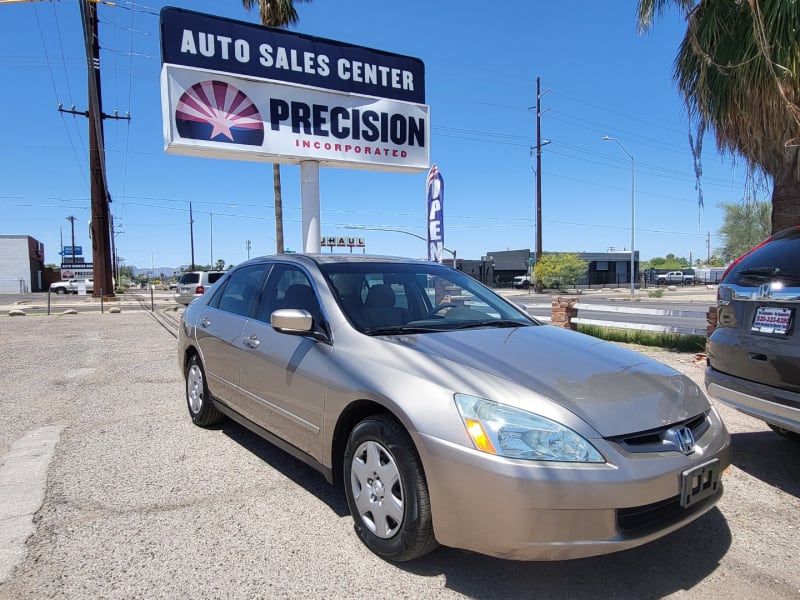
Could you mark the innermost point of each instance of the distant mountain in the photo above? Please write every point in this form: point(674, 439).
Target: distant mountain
point(167, 272)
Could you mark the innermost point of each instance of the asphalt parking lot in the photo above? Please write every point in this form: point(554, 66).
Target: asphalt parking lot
point(139, 503)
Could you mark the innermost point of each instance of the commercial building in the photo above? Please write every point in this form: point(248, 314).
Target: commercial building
point(499, 268)
point(21, 264)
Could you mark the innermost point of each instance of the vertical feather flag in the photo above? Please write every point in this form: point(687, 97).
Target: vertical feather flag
point(435, 194)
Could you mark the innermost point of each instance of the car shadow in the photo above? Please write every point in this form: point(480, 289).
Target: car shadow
point(661, 568)
point(672, 564)
point(289, 466)
point(772, 458)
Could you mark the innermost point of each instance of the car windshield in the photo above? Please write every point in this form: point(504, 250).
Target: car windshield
point(384, 298)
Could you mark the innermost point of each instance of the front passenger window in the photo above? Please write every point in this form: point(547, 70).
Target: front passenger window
point(289, 287)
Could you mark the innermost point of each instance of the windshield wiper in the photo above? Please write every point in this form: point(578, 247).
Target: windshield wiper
point(492, 323)
point(399, 330)
point(768, 273)
point(760, 271)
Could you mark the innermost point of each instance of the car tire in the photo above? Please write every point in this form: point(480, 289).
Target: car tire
point(61, 291)
point(526, 285)
point(386, 490)
point(198, 400)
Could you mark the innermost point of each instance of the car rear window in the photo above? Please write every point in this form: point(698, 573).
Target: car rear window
point(213, 277)
point(776, 258)
point(188, 278)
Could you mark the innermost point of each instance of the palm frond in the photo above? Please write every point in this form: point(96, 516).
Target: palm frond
point(275, 13)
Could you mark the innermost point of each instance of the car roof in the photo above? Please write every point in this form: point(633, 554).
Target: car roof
point(323, 259)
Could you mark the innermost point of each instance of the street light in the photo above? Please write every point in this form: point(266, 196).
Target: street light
point(419, 237)
point(633, 206)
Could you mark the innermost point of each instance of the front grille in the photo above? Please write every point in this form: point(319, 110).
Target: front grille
point(641, 520)
point(662, 439)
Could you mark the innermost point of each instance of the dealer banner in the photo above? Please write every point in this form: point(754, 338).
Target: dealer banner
point(239, 91)
point(219, 116)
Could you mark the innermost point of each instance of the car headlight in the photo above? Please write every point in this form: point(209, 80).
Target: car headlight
point(507, 431)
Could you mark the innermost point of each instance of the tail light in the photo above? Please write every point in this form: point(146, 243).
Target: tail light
point(200, 290)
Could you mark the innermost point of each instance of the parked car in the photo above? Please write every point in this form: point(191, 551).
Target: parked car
point(448, 414)
point(194, 284)
point(754, 354)
point(72, 286)
point(675, 278)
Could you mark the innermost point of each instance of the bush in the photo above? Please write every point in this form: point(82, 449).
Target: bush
point(672, 341)
point(655, 293)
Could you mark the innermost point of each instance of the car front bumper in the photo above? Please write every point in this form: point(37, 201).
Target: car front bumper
point(775, 406)
point(527, 510)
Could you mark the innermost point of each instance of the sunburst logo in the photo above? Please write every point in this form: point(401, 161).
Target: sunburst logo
point(219, 112)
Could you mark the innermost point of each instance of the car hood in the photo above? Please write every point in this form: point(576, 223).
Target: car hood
point(614, 390)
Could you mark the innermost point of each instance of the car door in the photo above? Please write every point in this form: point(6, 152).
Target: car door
point(219, 332)
point(282, 375)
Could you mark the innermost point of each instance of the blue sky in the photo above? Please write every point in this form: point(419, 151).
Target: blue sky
point(599, 77)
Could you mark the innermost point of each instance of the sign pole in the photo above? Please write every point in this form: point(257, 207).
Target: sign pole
point(309, 199)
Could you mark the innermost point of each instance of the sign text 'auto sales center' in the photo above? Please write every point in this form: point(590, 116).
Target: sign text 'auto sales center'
point(240, 91)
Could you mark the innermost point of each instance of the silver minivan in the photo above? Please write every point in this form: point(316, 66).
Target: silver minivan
point(194, 284)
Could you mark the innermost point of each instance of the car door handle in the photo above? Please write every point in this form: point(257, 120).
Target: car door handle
point(252, 342)
point(205, 322)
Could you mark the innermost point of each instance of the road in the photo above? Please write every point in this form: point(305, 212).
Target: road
point(689, 299)
point(697, 300)
point(140, 503)
point(42, 303)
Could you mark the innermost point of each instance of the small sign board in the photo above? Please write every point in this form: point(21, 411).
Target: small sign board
point(773, 320)
point(333, 241)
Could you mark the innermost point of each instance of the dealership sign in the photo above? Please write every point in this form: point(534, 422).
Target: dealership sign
point(241, 91)
point(334, 241)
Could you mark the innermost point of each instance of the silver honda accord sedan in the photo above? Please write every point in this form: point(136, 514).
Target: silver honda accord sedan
point(447, 414)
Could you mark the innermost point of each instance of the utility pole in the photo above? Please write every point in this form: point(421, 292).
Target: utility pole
point(708, 247)
point(191, 233)
point(101, 222)
point(539, 145)
point(114, 258)
point(71, 220)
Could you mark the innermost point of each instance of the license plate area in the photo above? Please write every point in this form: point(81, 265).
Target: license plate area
point(699, 483)
point(772, 320)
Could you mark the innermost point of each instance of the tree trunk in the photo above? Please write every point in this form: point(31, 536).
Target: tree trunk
point(785, 204)
point(276, 182)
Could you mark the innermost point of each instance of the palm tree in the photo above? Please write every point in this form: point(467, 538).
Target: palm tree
point(276, 13)
point(738, 69)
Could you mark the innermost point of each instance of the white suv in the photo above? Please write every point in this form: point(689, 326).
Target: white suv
point(194, 284)
point(522, 281)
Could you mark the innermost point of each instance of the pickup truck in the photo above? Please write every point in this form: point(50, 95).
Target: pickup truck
point(675, 278)
point(71, 286)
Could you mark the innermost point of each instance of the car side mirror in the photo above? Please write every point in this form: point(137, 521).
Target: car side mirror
point(296, 321)
point(292, 320)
